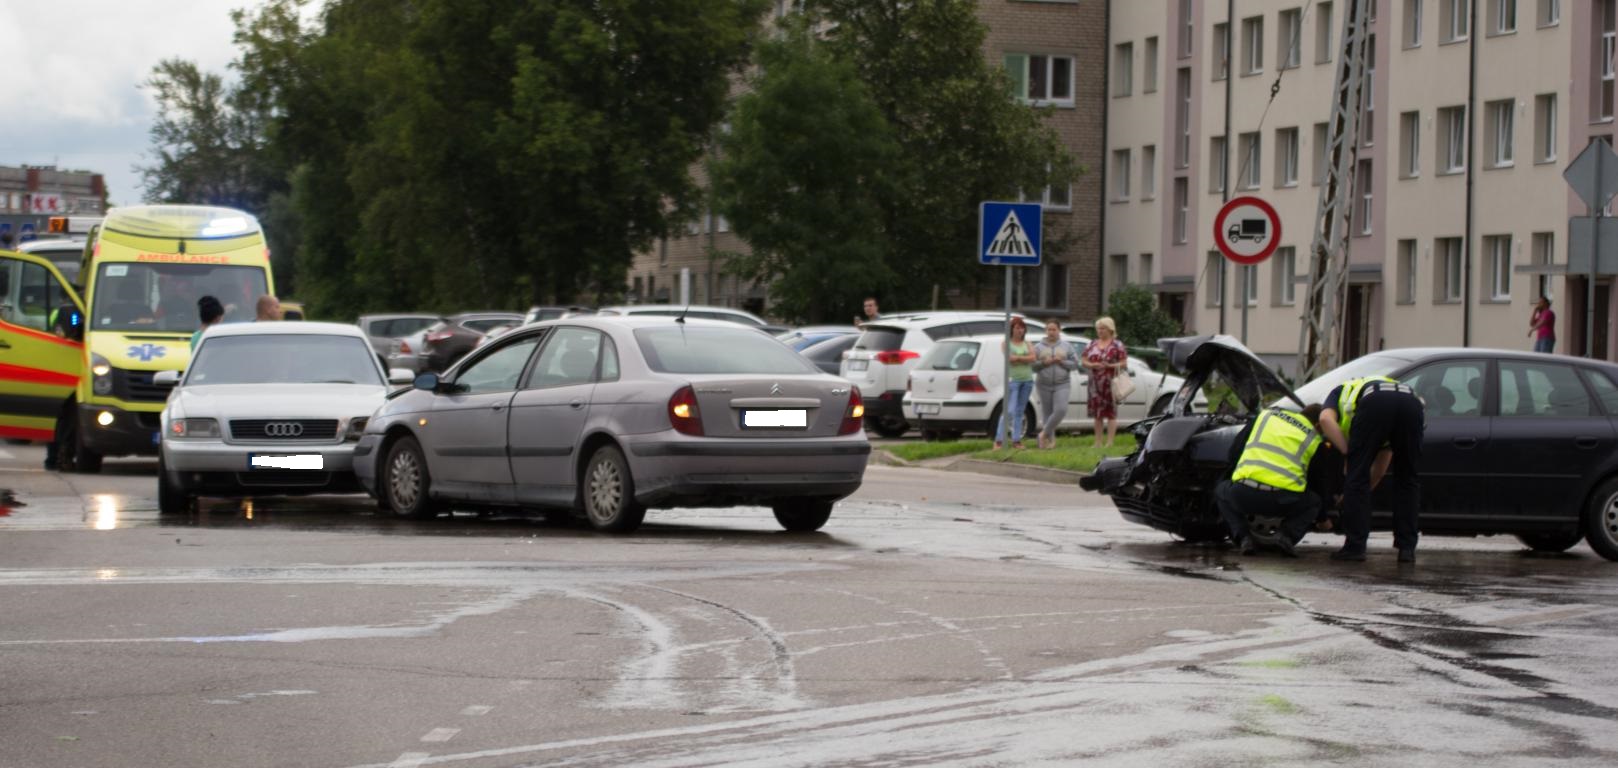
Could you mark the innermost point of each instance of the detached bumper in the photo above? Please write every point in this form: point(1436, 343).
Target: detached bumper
point(721, 472)
point(127, 433)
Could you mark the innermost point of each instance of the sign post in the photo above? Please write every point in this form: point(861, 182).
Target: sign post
point(1593, 175)
point(1009, 235)
point(1247, 231)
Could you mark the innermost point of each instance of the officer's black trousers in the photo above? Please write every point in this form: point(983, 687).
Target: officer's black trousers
point(1290, 513)
point(1394, 419)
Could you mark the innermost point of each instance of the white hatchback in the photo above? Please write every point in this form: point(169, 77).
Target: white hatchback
point(959, 385)
point(888, 349)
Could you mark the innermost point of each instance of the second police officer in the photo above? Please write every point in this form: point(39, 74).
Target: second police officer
point(1267, 500)
point(1377, 423)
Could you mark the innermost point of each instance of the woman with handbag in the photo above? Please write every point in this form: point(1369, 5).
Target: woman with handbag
point(1105, 358)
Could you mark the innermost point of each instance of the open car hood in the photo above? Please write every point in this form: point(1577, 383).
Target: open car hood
point(1249, 378)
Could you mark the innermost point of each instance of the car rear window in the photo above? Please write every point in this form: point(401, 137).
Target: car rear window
point(951, 356)
point(880, 338)
point(705, 349)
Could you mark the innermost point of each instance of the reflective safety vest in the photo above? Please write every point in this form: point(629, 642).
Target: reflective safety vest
point(1278, 451)
point(1348, 401)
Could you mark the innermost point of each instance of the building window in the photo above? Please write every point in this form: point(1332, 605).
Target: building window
point(721, 224)
point(1452, 140)
point(1545, 128)
point(1407, 272)
point(1413, 23)
point(1502, 137)
point(1286, 157)
point(1053, 197)
point(1608, 11)
point(1550, 13)
point(1148, 172)
point(1123, 69)
point(1117, 273)
point(1455, 20)
point(1188, 28)
point(1410, 145)
point(1503, 19)
point(1284, 274)
point(1146, 267)
point(1041, 79)
point(1251, 168)
point(1323, 45)
point(1150, 63)
point(1221, 52)
point(1122, 172)
point(1182, 207)
point(1253, 45)
point(1215, 279)
point(1362, 211)
point(1249, 278)
point(1544, 256)
point(1447, 285)
point(1368, 93)
point(1291, 40)
point(1499, 249)
point(1321, 156)
point(1044, 287)
point(1218, 155)
point(1182, 87)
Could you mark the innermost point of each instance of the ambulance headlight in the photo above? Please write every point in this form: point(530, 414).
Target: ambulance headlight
point(100, 375)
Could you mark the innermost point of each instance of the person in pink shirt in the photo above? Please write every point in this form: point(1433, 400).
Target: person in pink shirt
point(1542, 326)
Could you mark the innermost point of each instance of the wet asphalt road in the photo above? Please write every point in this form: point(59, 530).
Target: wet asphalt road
point(939, 619)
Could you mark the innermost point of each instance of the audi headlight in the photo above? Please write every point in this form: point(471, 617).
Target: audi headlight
point(356, 427)
point(101, 375)
point(193, 428)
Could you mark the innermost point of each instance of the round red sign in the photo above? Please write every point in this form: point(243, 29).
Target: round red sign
point(1247, 230)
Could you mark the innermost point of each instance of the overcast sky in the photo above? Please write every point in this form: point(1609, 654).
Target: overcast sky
point(72, 74)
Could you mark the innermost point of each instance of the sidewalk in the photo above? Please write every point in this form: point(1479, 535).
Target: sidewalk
point(982, 467)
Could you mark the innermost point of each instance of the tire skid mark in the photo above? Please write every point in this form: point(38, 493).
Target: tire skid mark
point(994, 663)
point(646, 682)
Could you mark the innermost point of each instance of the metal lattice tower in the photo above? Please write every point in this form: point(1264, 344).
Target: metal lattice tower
point(1320, 341)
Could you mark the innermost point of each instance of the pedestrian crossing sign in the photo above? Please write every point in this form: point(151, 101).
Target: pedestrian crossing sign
point(1009, 234)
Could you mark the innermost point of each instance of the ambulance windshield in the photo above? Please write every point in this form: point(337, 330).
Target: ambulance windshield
point(163, 297)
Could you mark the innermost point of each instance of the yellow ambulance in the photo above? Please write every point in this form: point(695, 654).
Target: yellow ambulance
point(143, 273)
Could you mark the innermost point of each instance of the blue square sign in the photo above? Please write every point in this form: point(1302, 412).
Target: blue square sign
point(1008, 234)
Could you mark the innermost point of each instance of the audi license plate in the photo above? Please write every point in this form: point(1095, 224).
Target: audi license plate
point(927, 409)
point(284, 461)
point(792, 418)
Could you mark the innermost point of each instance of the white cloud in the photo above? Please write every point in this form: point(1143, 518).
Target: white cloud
point(74, 68)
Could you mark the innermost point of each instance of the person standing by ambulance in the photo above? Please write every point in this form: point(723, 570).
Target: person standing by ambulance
point(1271, 481)
point(1376, 423)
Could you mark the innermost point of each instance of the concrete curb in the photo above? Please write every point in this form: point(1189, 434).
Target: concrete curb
point(1020, 471)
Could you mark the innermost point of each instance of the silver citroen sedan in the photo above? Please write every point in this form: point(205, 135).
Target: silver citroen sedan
point(268, 409)
point(609, 416)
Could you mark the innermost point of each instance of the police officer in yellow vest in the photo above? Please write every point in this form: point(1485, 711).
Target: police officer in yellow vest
point(1376, 422)
point(1267, 499)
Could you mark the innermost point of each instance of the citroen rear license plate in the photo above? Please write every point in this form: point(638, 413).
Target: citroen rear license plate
point(790, 418)
point(286, 461)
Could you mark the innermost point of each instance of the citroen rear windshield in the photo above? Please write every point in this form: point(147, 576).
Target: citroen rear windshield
point(679, 348)
point(141, 296)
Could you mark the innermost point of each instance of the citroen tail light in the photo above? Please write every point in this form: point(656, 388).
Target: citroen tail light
point(854, 417)
point(683, 413)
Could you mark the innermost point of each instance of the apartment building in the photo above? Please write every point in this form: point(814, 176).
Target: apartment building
point(1056, 54)
point(1460, 211)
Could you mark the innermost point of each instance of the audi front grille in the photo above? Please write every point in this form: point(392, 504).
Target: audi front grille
point(283, 429)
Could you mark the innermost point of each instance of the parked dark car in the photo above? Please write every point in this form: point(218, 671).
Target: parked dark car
point(1516, 443)
point(449, 340)
point(827, 354)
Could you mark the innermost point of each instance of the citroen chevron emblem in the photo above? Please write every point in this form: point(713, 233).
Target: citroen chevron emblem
point(775, 389)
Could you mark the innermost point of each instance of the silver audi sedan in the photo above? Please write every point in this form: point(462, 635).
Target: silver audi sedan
point(610, 416)
point(268, 409)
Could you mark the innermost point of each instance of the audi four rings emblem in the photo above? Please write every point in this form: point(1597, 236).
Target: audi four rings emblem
point(283, 429)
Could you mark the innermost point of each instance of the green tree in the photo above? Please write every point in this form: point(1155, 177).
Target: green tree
point(803, 173)
point(1141, 322)
point(203, 144)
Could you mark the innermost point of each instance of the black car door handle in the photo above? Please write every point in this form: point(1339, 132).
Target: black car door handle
point(1465, 443)
point(576, 404)
point(498, 406)
point(5, 344)
point(1586, 442)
